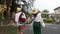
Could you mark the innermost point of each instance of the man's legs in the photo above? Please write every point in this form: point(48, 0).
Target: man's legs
point(21, 29)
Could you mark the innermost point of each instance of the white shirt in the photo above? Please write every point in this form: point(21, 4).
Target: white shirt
point(17, 18)
point(38, 18)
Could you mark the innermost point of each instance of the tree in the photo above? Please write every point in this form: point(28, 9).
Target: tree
point(26, 4)
point(2, 8)
point(8, 4)
point(2, 2)
point(45, 13)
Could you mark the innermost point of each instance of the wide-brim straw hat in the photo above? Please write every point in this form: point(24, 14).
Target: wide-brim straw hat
point(19, 9)
point(35, 10)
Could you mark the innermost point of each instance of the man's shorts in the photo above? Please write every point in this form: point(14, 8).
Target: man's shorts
point(21, 28)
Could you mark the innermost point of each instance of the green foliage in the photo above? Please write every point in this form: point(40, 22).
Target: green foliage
point(48, 20)
point(45, 11)
point(45, 15)
point(8, 2)
point(1, 18)
point(1, 1)
point(58, 17)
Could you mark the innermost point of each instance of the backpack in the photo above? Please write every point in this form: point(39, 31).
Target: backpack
point(21, 19)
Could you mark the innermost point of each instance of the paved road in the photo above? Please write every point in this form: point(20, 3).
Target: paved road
point(49, 29)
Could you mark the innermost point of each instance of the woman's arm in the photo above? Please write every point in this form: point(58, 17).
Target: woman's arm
point(41, 21)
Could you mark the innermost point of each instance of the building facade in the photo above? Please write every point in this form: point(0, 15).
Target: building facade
point(57, 14)
point(57, 10)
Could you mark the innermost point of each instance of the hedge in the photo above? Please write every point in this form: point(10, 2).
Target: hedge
point(48, 20)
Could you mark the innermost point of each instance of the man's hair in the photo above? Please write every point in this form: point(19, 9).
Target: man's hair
point(19, 6)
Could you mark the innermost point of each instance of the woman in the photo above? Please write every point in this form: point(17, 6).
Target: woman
point(19, 18)
point(38, 21)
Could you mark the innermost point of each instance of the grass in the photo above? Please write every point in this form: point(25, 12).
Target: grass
point(8, 30)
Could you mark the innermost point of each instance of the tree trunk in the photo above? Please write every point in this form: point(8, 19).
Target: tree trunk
point(8, 7)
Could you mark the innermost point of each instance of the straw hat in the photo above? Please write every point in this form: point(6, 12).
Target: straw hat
point(35, 10)
point(18, 9)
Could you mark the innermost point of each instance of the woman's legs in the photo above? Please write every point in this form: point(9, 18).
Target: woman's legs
point(37, 28)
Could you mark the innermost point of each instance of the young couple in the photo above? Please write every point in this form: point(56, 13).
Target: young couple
point(20, 19)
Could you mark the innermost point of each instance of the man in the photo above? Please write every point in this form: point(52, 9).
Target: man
point(20, 19)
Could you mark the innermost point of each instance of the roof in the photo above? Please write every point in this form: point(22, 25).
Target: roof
point(57, 8)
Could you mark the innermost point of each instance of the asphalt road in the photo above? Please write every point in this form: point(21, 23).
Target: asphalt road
point(49, 29)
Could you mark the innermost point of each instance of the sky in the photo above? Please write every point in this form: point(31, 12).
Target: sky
point(47, 4)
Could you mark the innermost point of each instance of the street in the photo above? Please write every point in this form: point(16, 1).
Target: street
point(49, 29)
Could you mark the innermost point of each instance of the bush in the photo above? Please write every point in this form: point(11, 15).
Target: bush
point(58, 22)
point(0, 17)
point(48, 20)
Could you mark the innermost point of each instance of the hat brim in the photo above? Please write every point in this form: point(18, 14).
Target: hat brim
point(35, 11)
